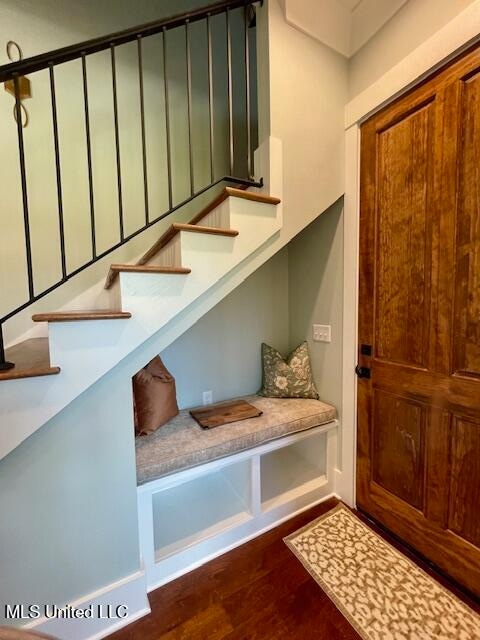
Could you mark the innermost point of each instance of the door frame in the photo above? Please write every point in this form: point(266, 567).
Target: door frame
point(450, 41)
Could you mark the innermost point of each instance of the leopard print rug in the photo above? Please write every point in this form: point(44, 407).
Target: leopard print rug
point(383, 595)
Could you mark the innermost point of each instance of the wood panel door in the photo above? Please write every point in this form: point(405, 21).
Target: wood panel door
point(418, 468)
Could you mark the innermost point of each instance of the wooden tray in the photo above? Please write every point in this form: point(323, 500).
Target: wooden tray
point(220, 414)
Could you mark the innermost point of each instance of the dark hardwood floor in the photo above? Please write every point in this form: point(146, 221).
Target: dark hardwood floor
point(258, 591)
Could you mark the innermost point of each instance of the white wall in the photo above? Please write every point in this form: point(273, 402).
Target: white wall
point(308, 91)
point(416, 21)
point(315, 259)
point(68, 502)
point(304, 109)
point(299, 286)
point(222, 351)
point(41, 25)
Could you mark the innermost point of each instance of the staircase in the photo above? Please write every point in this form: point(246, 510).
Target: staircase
point(186, 262)
point(39, 376)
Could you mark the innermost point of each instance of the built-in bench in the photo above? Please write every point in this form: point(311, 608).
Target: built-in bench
point(182, 443)
point(202, 492)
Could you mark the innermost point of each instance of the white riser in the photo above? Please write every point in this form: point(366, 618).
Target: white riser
point(170, 255)
point(219, 217)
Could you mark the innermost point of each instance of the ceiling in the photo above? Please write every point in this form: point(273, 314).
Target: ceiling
point(343, 25)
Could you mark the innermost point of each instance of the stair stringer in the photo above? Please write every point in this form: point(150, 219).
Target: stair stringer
point(86, 351)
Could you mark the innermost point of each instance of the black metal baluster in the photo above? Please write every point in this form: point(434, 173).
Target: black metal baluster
point(61, 229)
point(117, 143)
point(142, 118)
point(210, 97)
point(4, 364)
point(50, 61)
point(189, 104)
point(167, 119)
point(230, 90)
point(247, 95)
point(89, 156)
point(23, 177)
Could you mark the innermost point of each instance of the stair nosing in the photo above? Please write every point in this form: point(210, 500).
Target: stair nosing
point(150, 267)
point(115, 269)
point(11, 374)
point(32, 357)
point(197, 228)
point(254, 196)
point(81, 316)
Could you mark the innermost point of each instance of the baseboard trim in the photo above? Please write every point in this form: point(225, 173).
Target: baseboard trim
point(130, 592)
point(343, 487)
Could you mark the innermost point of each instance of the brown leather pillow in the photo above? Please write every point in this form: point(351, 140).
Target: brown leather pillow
point(155, 397)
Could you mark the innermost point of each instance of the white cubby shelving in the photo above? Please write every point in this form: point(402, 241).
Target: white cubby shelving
point(201, 508)
point(194, 515)
point(299, 467)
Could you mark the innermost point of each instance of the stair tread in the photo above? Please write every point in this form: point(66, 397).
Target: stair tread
point(115, 269)
point(31, 358)
point(175, 228)
point(71, 316)
point(196, 228)
point(255, 196)
point(172, 231)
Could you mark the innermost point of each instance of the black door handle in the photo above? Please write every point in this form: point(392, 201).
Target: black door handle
point(362, 372)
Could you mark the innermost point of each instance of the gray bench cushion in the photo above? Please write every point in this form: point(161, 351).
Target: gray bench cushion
point(182, 443)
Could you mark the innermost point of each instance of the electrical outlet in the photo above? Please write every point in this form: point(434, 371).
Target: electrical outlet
point(207, 397)
point(322, 333)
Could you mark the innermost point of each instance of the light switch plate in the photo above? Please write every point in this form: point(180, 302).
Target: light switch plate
point(207, 397)
point(322, 333)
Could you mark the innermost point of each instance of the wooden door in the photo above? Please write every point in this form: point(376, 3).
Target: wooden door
point(418, 467)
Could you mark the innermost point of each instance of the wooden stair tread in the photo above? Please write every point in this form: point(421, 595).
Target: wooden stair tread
point(115, 269)
point(31, 358)
point(196, 228)
point(172, 231)
point(255, 196)
point(175, 228)
point(72, 316)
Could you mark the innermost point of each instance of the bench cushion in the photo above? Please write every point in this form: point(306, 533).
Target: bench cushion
point(182, 443)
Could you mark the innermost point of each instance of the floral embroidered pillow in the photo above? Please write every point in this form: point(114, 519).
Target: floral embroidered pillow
point(290, 378)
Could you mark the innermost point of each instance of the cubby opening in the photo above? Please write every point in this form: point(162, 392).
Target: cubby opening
point(188, 513)
point(291, 470)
